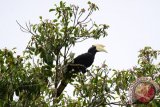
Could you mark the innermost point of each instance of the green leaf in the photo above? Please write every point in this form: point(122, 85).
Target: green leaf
point(55, 20)
point(89, 2)
point(50, 10)
point(40, 17)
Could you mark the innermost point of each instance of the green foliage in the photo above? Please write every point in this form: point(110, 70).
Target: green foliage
point(35, 76)
point(94, 88)
point(18, 78)
point(102, 86)
point(53, 39)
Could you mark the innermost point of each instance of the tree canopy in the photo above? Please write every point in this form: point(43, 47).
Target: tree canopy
point(39, 76)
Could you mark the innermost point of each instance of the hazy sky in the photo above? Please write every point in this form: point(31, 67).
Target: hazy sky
point(133, 25)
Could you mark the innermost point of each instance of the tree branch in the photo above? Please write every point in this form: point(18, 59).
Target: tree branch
point(27, 29)
point(66, 78)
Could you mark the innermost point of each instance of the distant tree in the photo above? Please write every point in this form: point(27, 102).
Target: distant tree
point(38, 77)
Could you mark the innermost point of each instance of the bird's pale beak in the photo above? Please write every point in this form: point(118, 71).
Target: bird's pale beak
point(100, 48)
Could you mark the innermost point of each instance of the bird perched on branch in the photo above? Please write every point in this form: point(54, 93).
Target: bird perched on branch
point(79, 64)
point(83, 61)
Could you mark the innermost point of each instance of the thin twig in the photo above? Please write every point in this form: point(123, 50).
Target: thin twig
point(90, 12)
point(75, 15)
point(26, 30)
point(79, 17)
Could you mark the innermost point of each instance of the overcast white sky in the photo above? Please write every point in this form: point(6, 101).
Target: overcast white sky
point(133, 25)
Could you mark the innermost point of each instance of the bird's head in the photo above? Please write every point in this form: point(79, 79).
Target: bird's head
point(97, 48)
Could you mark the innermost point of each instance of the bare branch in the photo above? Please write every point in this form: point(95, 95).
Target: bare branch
point(27, 29)
point(79, 17)
point(22, 28)
point(75, 15)
point(90, 12)
point(91, 26)
point(117, 103)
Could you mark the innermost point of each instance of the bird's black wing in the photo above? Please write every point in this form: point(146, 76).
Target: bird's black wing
point(85, 59)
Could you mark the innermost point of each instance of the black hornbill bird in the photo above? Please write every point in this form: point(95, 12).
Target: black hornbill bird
point(79, 64)
point(85, 60)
